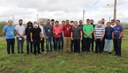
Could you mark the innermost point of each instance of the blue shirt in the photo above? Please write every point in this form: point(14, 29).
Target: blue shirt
point(108, 33)
point(9, 32)
point(117, 30)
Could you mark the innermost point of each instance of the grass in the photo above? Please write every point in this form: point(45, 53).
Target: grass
point(59, 62)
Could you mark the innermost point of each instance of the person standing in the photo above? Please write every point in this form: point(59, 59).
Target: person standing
point(108, 38)
point(41, 25)
point(36, 37)
point(57, 33)
point(67, 37)
point(81, 26)
point(76, 36)
point(49, 35)
point(62, 39)
point(72, 43)
point(117, 35)
point(92, 40)
point(87, 30)
point(99, 32)
point(28, 40)
point(9, 32)
point(20, 29)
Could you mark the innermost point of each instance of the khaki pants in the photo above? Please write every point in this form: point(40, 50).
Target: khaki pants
point(67, 44)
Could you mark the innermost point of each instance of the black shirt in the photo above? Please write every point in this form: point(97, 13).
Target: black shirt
point(35, 33)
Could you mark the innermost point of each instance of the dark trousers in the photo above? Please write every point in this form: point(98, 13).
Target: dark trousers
point(92, 44)
point(76, 45)
point(103, 44)
point(42, 44)
point(62, 43)
point(49, 41)
point(117, 46)
point(98, 48)
point(72, 45)
point(82, 44)
point(20, 44)
point(36, 44)
point(57, 44)
point(54, 43)
point(29, 46)
point(86, 44)
point(10, 45)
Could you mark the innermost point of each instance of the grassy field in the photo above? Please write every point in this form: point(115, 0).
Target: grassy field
point(60, 62)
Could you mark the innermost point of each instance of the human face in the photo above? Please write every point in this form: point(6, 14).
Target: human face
point(81, 22)
point(108, 24)
point(10, 22)
point(20, 22)
point(117, 23)
point(67, 22)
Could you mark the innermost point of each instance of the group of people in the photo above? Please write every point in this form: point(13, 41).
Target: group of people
point(69, 36)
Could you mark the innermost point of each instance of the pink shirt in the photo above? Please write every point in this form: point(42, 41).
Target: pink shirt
point(57, 31)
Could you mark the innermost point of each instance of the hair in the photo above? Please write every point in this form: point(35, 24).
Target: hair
point(108, 23)
point(10, 20)
point(20, 20)
point(30, 23)
point(88, 20)
point(118, 20)
point(57, 21)
point(72, 22)
point(63, 21)
point(52, 20)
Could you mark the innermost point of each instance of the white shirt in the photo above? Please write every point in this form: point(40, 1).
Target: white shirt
point(42, 30)
point(20, 29)
point(113, 25)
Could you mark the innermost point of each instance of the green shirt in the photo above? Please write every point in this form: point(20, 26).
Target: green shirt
point(88, 28)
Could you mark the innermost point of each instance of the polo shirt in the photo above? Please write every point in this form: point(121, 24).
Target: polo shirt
point(20, 29)
point(108, 33)
point(9, 32)
point(99, 32)
point(117, 30)
point(67, 30)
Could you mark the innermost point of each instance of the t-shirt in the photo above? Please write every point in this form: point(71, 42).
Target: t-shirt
point(58, 30)
point(20, 29)
point(88, 28)
point(36, 33)
point(108, 33)
point(76, 32)
point(28, 31)
point(67, 30)
point(48, 30)
point(117, 30)
point(99, 32)
point(9, 32)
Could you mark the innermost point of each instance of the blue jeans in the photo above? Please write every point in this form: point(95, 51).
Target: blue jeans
point(29, 46)
point(20, 44)
point(49, 41)
point(58, 43)
point(108, 45)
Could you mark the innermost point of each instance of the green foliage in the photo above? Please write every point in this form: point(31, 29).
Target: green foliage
point(2, 24)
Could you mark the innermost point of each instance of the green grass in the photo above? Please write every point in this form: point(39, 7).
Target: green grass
point(60, 62)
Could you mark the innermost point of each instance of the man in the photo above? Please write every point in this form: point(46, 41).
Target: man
point(36, 37)
point(28, 40)
point(117, 35)
point(92, 40)
point(53, 24)
point(99, 32)
point(57, 33)
point(87, 30)
point(49, 35)
point(72, 44)
point(113, 23)
point(76, 36)
point(20, 29)
point(41, 25)
point(67, 37)
point(81, 26)
point(108, 38)
point(62, 39)
point(9, 32)
point(103, 25)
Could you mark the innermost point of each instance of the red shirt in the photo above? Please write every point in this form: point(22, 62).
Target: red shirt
point(67, 30)
point(57, 31)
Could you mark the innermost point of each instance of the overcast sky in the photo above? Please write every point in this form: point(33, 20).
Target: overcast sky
point(61, 9)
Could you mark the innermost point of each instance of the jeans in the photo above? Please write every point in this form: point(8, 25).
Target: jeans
point(62, 43)
point(29, 46)
point(117, 46)
point(36, 44)
point(49, 41)
point(20, 44)
point(76, 45)
point(57, 44)
point(108, 45)
point(10, 45)
point(42, 44)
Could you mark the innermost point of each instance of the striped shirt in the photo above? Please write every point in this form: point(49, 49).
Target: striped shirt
point(99, 32)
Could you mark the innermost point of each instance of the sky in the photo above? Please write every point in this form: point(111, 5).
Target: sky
point(62, 9)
